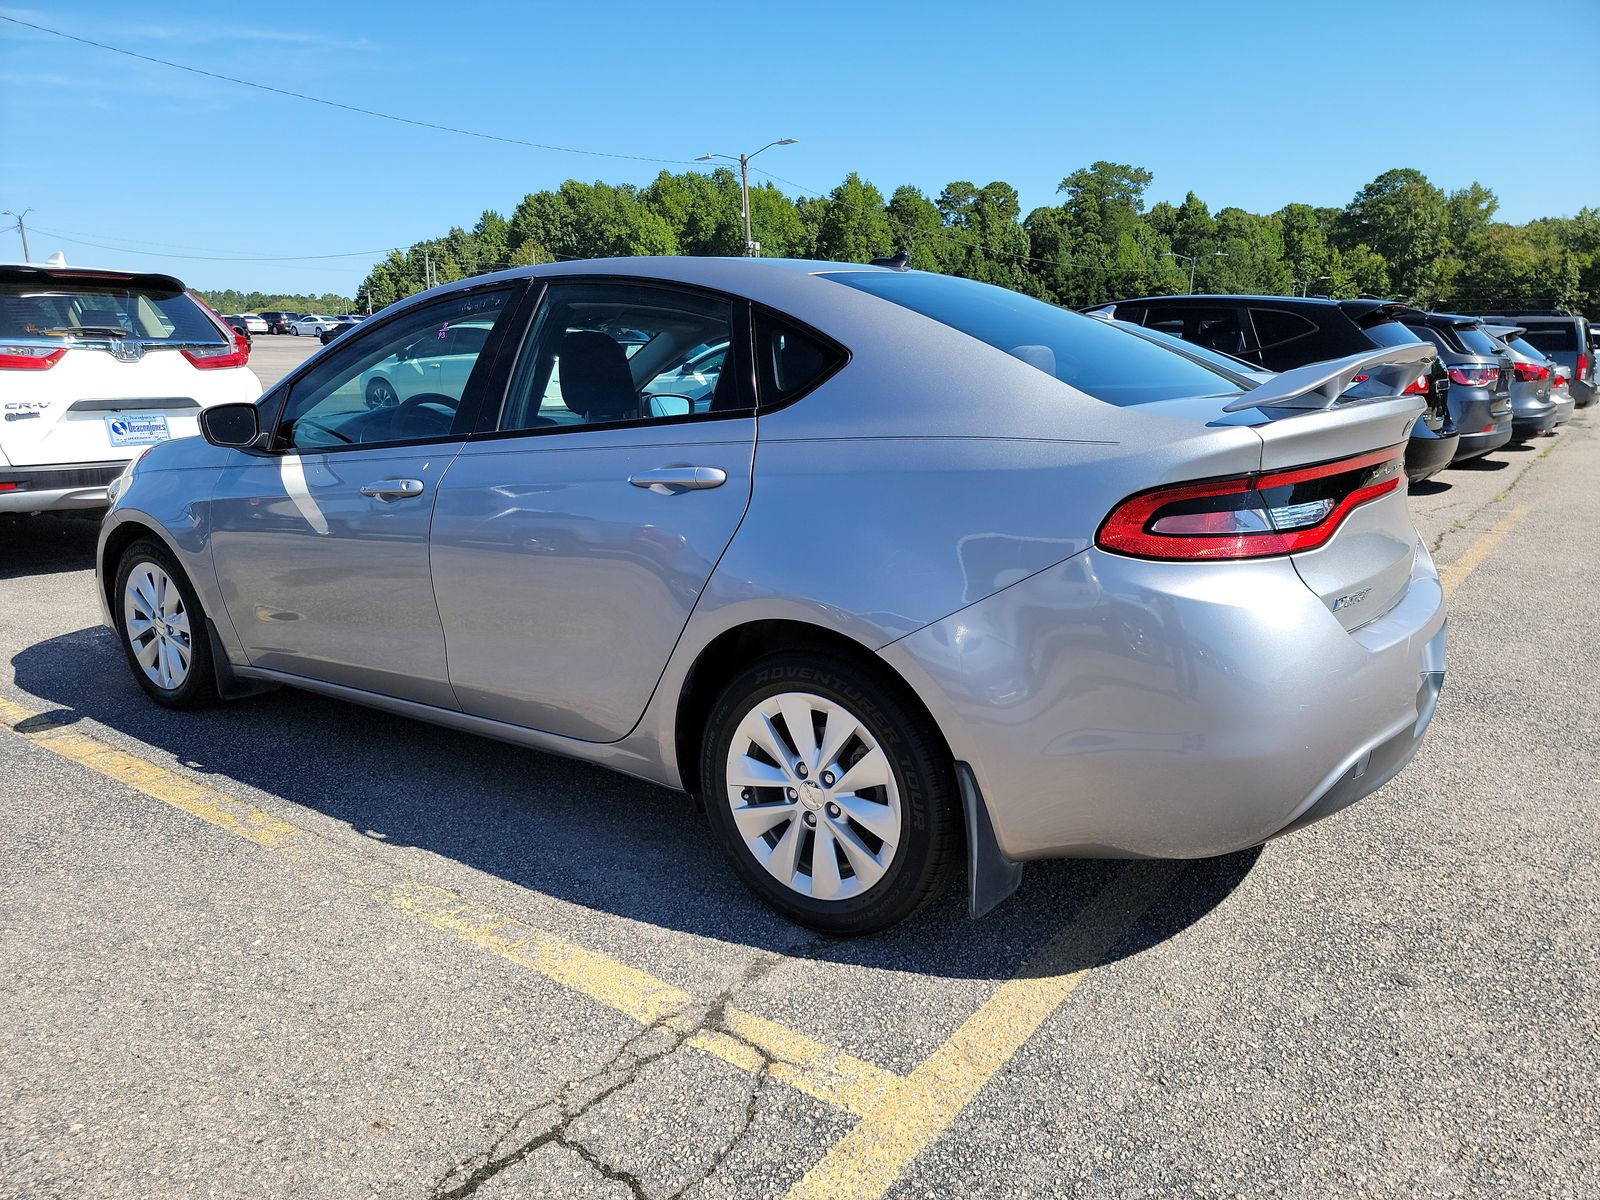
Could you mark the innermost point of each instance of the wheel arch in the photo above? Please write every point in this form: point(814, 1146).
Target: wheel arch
point(733, 648)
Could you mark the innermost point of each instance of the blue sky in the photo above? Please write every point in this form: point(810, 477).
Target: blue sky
point(1250, 104)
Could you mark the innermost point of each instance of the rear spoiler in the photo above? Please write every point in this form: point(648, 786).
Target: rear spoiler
point(1504, 332)
point(44, 276)
point(1319, 385)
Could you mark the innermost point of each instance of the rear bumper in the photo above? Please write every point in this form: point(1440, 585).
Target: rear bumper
point(1428, 453)
point(1119, 708)
point(59, 486)
point(1565, 405)
point(1474, 445)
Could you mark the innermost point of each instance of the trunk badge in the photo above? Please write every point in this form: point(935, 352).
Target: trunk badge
point(127, 351)
point(1352, 598)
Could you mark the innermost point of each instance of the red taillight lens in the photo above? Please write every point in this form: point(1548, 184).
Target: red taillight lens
point(29, 358)
point(1474, 376)
point(1559, 381)
point(1582, 367)
point(1417, 387)
point(1249, 516)
point(1528, 373)
point(211, 357)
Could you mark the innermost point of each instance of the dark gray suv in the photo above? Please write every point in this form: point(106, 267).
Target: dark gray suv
point(1480, 379)
point(1564, 338)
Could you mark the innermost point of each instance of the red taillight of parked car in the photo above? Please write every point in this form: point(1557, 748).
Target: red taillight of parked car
point(1250, 516)
point(1559, 381)
point(1529, 373)
point(1417, 387)
point(29, 358)
point(1474, 376)
point(210, 357)
point(1582, 368)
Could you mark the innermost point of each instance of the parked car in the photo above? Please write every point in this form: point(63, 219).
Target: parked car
point(434, 363)
point(1108, 602)
point(239, 326)
point(1280, 333)
point(254, 322)
point(1534, 409)
point(1480, 379)
point(1563, 338)
point(96, 366)
point(311, 325)
point(340, 325)
point(278, 320)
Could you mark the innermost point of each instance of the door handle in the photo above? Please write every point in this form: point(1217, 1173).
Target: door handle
point(687, 479)
point(393, 489)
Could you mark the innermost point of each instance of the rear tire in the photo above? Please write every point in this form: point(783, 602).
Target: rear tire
point(884, 850)
point(163, 628)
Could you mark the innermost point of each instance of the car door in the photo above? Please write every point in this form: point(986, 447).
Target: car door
point(572, 538)
point(321, 540)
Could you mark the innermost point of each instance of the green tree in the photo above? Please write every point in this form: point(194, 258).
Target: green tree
point(854, 224)
point(1401, 216)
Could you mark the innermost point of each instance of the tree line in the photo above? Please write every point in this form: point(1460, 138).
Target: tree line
point(230, 301)
point(1400, 236)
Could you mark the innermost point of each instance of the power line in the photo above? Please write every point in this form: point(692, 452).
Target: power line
point(366, 112)
point(213, 257)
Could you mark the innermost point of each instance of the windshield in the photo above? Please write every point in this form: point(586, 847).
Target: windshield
point(1477, 341)
point(1554, 338)
point(1525, 347)
point(1101, 360)
point(65, 308)
point(1391, 333)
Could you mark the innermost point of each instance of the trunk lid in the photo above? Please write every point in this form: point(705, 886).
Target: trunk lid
point(1365, 567)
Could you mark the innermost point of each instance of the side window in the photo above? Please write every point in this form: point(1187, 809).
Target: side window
point(789, 360)
point(1215, 328)
point(402, 382)
point(1281, 337)
point(611, 353)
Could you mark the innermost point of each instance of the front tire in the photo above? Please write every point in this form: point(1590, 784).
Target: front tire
point(831, 795)
point(163, 628)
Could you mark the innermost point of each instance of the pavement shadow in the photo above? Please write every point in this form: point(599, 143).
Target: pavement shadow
point(1429, 487)
point(1482, 463)
point(47, 544)
point(565, 829)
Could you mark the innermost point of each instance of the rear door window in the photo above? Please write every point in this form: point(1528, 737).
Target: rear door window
point(1099, 359)
point(1551, 339)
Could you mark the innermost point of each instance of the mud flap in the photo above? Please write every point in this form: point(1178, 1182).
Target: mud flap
point(991, 876)
point(229, 685)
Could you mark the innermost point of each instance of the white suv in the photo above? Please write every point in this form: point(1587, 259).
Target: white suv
point(94, 367)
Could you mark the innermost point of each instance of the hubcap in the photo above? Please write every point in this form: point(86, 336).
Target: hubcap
point(814, 796)
point(157, 625)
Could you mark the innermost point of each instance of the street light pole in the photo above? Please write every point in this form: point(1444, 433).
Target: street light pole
point(1187, 258)
point(22, 229)
point(744, 186)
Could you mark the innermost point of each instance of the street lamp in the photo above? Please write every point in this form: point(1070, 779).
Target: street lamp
point(1305, 287)
point(1189, 258)
point(744, 184)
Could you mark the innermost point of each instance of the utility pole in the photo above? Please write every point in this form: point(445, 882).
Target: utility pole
point(427, 271)
point(750, 246)
point(23, 230)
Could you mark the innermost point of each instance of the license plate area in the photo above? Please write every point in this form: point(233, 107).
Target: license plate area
point(137, 429)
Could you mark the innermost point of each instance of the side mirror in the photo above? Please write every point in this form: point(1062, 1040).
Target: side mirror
point(234, 425)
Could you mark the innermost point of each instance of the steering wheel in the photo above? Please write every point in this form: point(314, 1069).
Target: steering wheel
point(433, 400)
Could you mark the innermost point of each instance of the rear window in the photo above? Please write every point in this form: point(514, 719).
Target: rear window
point(1101, 360)
point(1523, 346)
point(1476, 340)
point(67, 308)
point(1391, 333)
point(1549, 338)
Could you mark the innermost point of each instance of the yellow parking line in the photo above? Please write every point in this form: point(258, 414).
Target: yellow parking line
point(866, 1161)
point(821, 1071)
point(1453, 575)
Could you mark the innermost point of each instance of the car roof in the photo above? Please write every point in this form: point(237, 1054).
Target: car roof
point(1358, 307)
point(153, 280)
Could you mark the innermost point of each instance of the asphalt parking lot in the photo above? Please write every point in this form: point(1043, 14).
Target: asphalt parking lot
point(289, 947)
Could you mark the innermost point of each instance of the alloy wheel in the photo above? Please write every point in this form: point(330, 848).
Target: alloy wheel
point(156, 622)
point(814, 796)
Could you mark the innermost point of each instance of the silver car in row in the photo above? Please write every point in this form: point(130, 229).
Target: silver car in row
point(936, 572)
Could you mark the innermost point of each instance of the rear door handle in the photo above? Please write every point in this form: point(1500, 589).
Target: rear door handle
point(687, 479)
point(393, 489)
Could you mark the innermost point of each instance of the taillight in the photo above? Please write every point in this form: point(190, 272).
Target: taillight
point(29, 358)
point(1559, 381)
point(1417, 387)
point(1582, 368)
point(1474, 376)
point(1528, 373)
point(1249, 516)
point(210, 357)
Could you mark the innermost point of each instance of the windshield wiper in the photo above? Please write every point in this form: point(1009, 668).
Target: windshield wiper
point(92, 330)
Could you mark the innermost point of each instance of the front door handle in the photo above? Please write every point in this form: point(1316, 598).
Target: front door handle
point(686, 479)
point(393, 489)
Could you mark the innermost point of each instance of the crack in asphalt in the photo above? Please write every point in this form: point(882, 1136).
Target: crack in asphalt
point(622, 1069)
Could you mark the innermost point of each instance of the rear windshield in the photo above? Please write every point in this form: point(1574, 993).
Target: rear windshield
point(1523, 346)
point(1391, 333)
point(1107, 363)
point(1550, 338)
point(66, 308)
point(1476, 340)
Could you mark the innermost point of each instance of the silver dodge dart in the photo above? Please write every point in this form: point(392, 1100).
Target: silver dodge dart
point(892, 570)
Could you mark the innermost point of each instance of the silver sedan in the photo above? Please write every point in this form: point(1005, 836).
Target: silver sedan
point(935, 574)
